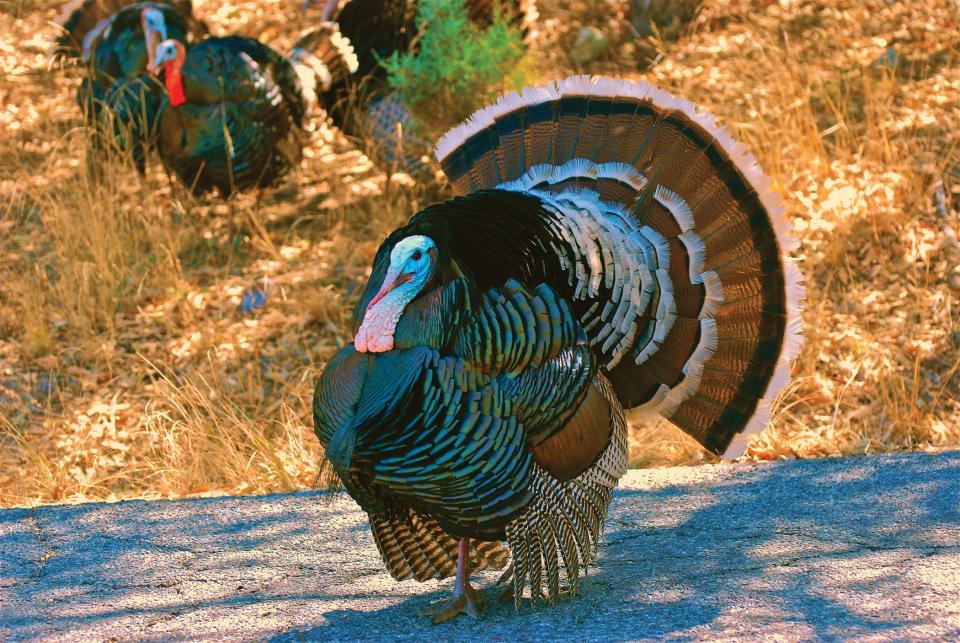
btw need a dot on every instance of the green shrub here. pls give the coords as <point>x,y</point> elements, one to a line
<point>456,66</point>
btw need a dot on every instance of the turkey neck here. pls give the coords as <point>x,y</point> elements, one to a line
<point>173,78</point>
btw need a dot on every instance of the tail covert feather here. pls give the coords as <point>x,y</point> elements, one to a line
<point>413,545</point>
<point>323,58</point>
<point>675,247</point>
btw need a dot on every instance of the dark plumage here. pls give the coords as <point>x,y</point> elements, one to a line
<point>233,116</point>
<point>611,248</point>
<point>361,103</point>
<point>118,96</point>
<point>82,22</point>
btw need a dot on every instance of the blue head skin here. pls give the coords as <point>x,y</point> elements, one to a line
<point>163,53</point>
<point>412,263</point>
<point>154,31</point>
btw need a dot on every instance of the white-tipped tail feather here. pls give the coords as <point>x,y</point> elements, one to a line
<point>603,217</point>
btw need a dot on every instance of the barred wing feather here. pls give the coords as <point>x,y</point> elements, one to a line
<point>610,247</point>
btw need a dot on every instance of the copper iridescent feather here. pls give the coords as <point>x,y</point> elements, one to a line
<point>612,248</point>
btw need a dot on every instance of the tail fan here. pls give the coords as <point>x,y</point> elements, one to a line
<point>81,22</point>
<point>376,29</point>
<point>360,104</point>
<point>683,246</point>
<point>323,59</point>
<point>343,57</point>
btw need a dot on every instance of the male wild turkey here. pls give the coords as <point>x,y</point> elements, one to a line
<point>83,22</point>
<point>233,116</point>
<point>363,106</point>
<point>612,248</point>
<point>118,95</point>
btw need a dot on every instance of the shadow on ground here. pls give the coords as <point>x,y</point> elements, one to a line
<point>811,549</point>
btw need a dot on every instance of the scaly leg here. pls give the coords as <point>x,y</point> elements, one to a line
<point>466,600</point>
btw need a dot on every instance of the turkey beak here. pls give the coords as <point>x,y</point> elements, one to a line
<point>389,285</point>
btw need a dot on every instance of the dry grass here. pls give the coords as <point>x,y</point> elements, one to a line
<point>129,369</point>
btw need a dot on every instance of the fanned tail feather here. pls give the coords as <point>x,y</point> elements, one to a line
<point>680,268</point>
<point>357,99</point>
<point>323,59</point>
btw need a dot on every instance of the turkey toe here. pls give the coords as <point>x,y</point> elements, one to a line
<point>468,601</point>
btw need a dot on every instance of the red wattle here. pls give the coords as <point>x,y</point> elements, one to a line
<point>174,82</point>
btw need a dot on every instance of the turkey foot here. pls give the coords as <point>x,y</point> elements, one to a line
<point>466,600</point>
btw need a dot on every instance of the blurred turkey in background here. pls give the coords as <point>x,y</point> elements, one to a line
<point>236,112</point>
<point>416,60</point>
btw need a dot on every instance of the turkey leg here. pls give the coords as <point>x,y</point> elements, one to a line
<point>466,600</point>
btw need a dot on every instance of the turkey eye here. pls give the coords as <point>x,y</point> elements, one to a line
<point>417,255</point>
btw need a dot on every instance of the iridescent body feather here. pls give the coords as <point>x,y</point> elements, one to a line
<point>118,96</point>
<point>235,111</point>
<point>611,249</point>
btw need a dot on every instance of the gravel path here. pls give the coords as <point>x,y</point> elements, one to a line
<point>818,549</point>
